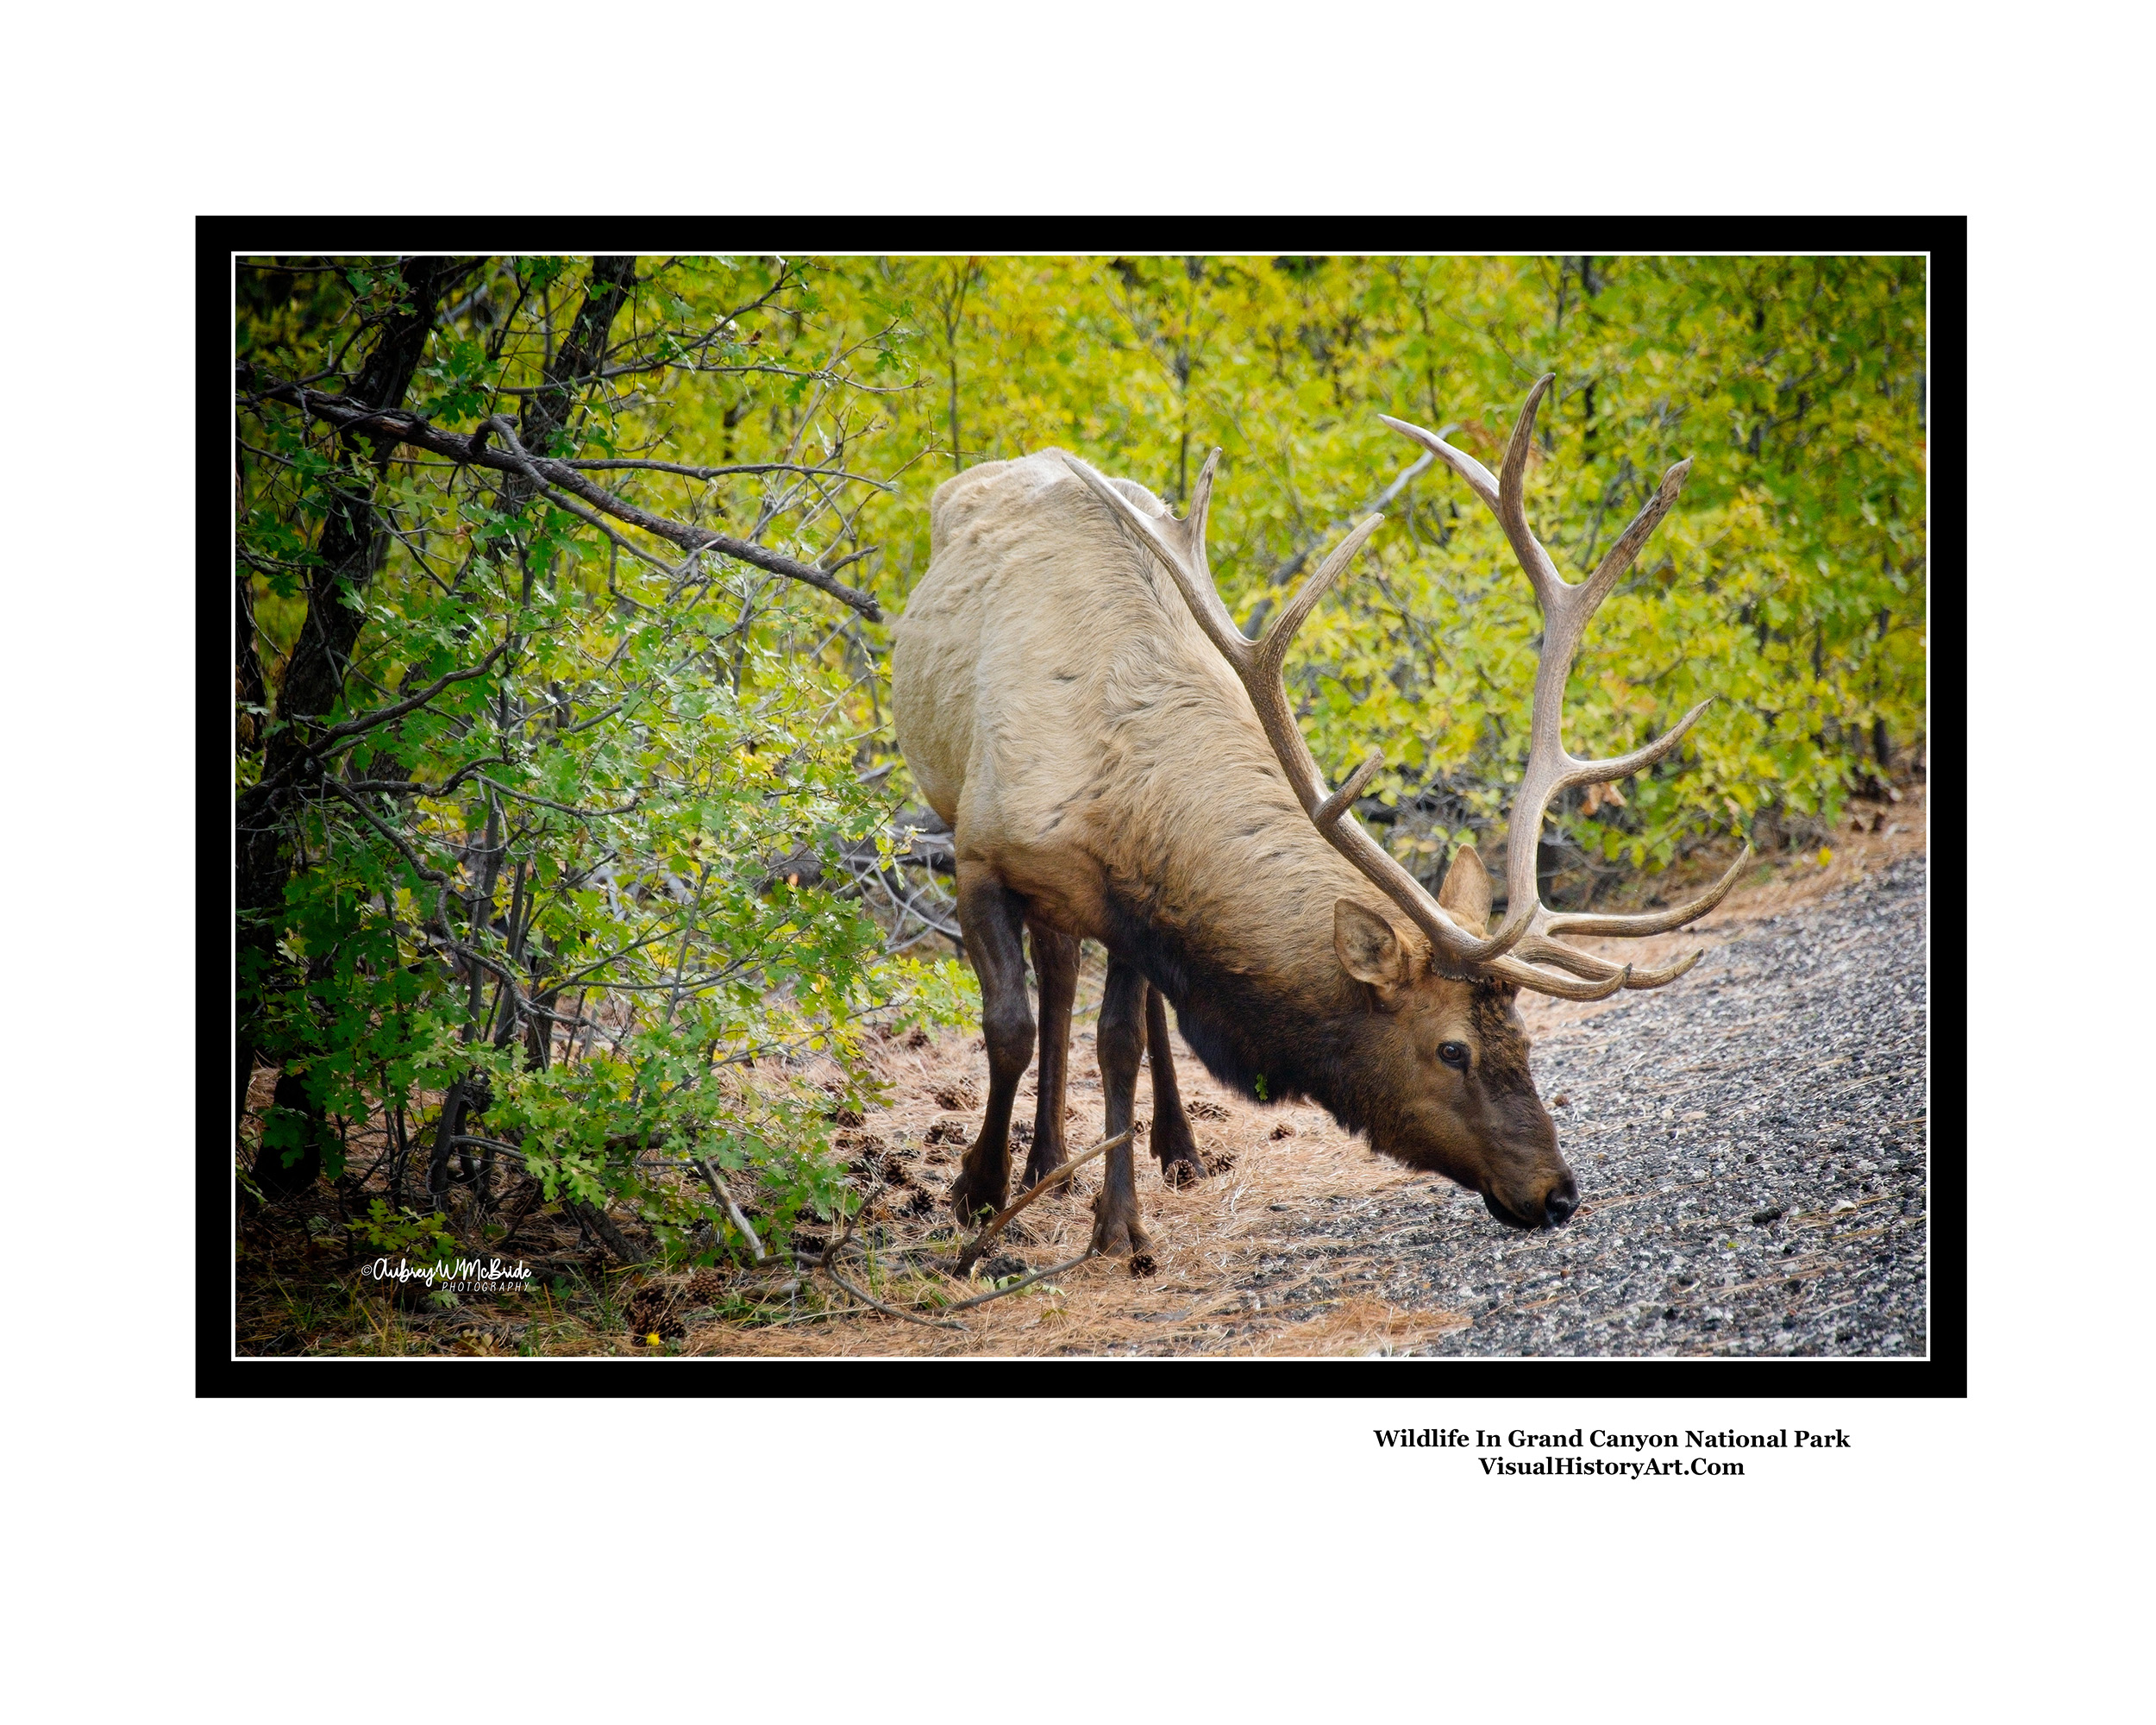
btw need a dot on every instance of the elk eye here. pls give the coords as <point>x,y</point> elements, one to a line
<point>1453,1054</point>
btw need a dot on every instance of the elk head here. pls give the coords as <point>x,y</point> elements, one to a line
<point>1445,1084</point>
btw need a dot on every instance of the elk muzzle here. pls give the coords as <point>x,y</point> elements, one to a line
<point>1553,1208</point>
<point>1528,1184</point>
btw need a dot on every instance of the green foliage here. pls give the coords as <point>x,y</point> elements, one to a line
<point>601,872</point>
<point>566,874</point>
<point>420,1239</point>
<point>1788,581</point>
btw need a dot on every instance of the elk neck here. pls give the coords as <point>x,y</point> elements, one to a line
<point>1237,932</point>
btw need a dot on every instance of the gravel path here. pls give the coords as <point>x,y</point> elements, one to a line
<point>1750,1147</point>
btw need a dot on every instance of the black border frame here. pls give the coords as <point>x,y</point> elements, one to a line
<point>1945,242</point>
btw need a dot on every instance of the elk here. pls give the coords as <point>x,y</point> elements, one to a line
<point>1118,762</point>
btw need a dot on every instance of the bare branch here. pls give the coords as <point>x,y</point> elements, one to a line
<point>726,1197</point>
<point>1021,1287</point>
<point>831,1268</point>
<point>399,427</point>
<point>689,472</point>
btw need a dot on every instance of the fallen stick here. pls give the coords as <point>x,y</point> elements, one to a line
<point>1021,1287</point>
<point>733,1210</point>
<point>971,1255</point>
<point>831,1251</point>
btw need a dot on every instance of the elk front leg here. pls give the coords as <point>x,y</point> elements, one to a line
<point>992,918</point>
<point>1120,1041</point>
<point>1055,969</point>
<point>1180,1162</point>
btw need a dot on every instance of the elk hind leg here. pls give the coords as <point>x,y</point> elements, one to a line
<point>1180,1162</point>
<point>992,918</point>
<point>1120,1040</point>
<point>1056,968</point>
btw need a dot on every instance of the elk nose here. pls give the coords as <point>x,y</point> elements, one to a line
<point>1560,1204</point>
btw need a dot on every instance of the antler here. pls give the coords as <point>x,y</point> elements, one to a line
<point>1258,665</point>
<point>1181,546</point>
<point>1565,610</point>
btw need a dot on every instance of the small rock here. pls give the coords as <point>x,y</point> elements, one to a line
<point>1761,1218</point>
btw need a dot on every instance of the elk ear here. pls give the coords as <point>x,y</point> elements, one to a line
<point>1370,951</point>
<point>1465,894</point>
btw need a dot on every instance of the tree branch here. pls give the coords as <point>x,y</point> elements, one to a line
<point>831,1270</point>
<point>688,473</point>
<point>399,427</point>
<point>980,1242</point>
<point>733,1211</point>
<point>433,876</point>
<point>630,807</point>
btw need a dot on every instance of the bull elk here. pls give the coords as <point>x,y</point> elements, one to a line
<point>1118,762</point>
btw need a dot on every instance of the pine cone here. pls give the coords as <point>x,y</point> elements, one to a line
<point>653,1311</point>
<point>705,1288</point>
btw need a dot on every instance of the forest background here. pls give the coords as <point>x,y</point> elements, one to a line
<point>571,831</point>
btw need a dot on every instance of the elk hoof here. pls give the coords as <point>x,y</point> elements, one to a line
<point>1172,1141</point>
<point>1180,1171</point>
<point>1120,1236</point>
<point>969,1198</point>
<point>1037,1171</point>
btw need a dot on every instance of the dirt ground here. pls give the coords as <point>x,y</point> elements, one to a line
<point>1749,1142</point>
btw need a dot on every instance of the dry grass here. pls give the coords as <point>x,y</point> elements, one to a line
<point>1205,1240</point>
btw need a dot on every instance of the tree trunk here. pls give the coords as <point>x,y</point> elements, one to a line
<point>352,546</point>
<point>291,1107</point>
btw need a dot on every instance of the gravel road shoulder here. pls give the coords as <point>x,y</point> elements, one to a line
<point>1751,1144</point>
